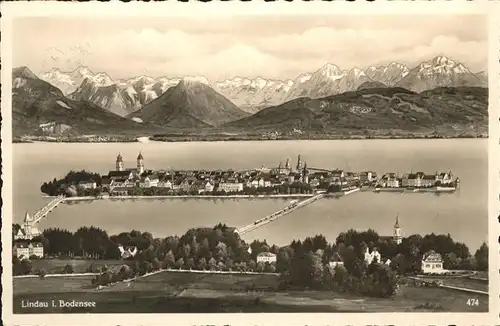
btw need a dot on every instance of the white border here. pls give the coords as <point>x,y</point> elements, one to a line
<point>118,9</point>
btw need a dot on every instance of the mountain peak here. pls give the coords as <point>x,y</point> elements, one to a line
<point>194,80</point>
<point>83,71</point>
<point>442,60</point>
<point>330,70</point>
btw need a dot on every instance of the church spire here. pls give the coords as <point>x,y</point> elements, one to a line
<point>397,226</point>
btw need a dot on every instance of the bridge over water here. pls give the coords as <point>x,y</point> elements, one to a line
<point>276,215</point>
<point>47,209</point>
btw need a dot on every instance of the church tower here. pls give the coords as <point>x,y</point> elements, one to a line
<point>140,164</point>
<point>299,164</point>
<point>305,174</point>
<point>119,163</point>
<point>397,231</point>
<point>287,165</point>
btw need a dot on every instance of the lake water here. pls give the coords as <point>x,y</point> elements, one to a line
<point>463,214</point>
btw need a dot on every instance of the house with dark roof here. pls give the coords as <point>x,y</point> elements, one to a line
<point>432,263</point>
<point>336,260</point>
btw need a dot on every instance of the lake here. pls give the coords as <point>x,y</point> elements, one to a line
<point>463,214</point>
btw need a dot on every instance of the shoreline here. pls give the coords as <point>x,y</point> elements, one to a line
<point>279,196</point>
<point>188,138</point>
<point>88,198</point>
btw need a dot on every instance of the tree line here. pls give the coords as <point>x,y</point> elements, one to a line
<point>301,264</point>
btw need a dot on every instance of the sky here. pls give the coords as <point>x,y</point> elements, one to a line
<point>277,47</point>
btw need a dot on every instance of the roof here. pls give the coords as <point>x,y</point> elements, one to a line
<point>432,256</point>
<point>37,244</point>
<point>21,244</point>
<point>119,158</point>
<point>336,257</point>
<point>429,177</point>
<point>140,156</point>
<point>115,174</point>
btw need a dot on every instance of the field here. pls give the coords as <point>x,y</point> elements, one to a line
<point>172,292</point>
<point>56,266</point>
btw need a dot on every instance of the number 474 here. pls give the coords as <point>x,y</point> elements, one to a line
<point>473,302</point>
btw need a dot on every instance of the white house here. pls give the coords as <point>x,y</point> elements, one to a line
<point>432,262</point>
<point>371,256</point>
<point>87,184</point>
<point>209,187</point>
<point>230,187</point>
<point>336,260</point>
<point>128,252</point>
<point>24,250</point>
<point>266,257</point>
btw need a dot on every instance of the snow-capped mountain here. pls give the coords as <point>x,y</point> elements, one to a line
<point>123,96</point>
<point>328,80</point>
<point>388,75</point>
<point>68,82</point>
<point>439,72</point>
<point>113,98</point>
<point>254,94</point>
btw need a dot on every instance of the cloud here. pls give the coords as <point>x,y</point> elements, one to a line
<point>176,48</point>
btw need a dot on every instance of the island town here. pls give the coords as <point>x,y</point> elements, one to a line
<point>283,180</point>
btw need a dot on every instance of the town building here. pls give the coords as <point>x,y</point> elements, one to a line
<point>230,187</point>
<point>266,257</point>
<point>336,260</point>
<point>28,230</point>
<point>25,249</point>
<point>127,252</point>
<point>432,263</point>
<point>372,256</point>
<point>368,177</point>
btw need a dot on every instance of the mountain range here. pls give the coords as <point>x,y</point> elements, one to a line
<point>438,93</point>
<point>252,95</point>
<point>36,102</point>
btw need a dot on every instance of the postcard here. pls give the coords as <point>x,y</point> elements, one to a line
<point>250,163</point>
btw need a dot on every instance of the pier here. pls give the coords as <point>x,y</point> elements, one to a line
<point>276,215</point>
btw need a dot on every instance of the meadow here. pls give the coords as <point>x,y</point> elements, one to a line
<point>173,292</point>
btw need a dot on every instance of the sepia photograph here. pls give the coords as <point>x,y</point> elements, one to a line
<point>326,163</point>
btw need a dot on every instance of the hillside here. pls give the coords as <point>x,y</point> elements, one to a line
<point>190,104</point>
<point>36,102</point>
<point>377,109</point>
<point>371,84</point>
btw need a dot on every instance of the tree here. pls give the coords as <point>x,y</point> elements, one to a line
<point>169,259</point>
<point>68,269</point>
<point>212,264</point>
<point>179,264</point>
<point>202,264</point>
<point>481,256</point>
<point>190,263</point>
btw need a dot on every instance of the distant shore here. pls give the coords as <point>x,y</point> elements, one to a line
<point>209,138</point>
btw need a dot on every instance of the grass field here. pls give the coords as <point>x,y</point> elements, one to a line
<point>171,292</point>
<point>35,285</point>
<point>55,266</point>
<point>462,283</point>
